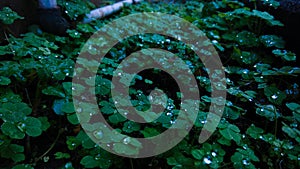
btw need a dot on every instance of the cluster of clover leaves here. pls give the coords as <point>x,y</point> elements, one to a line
<point>259,127</point>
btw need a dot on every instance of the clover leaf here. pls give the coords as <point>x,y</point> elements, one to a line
<point>8,16</point>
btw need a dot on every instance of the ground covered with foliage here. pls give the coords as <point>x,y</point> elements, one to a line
<point>259,127</point>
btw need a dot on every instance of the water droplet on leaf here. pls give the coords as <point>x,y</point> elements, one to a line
<point>207,161</point>
<point>98,134</point>
<point>245,162</point>
<point>126,140</point>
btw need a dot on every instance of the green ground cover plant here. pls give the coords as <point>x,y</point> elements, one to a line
<point>259,127</point>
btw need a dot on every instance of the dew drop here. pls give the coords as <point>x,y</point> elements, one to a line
<point>68,165</point>
<point>98,157</point>
<point>274,96</point>
<point>203,121</point>
<point>98,134</point>
<point>79,110</point>
<point>245,162</point>
<point>294,125</point>
<point>207,161</point>
<point>245,71</point>
<point>126,140</point>
<point>150,98</point>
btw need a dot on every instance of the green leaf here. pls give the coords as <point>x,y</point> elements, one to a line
<point>231,132</point>
<point>76,8</point>
<point>4,80</point>
<point>86,142</point>
<point>89,162</point>
<point>268,111</point>
<point>224,141</point>
<point>272,41</point>
<point>12,130</point>
<point>54,91</point>
<point>254,132</point>
<point>17,107</point>
<point>130,126</point>
<point>68,107</point>
<point>150,132</point>
<point>72,118</point>
<point>72,142</point>
<point>61,155</point>
<point>33,126</point>
<point>98,161</point>
<point>293,106</point>
<point>289,131</point>
<point>67,86</point>
<point>14,112</point>
<point>103,86</point>
<point>172,161</point>
<point>286,55</point>
<point>45,123</point>
<point>198,154</point>
<point>263,15</point>
<point>74,33</point>
<point>8,16</point>
<point>232,113</point>
<point>14,152</point>
<point>116,118</point>
<point>23,166</point>
<point>274,95</point>
<point>86,28</point>
<point>107,107</point>
<point>243,158</point>
<point>246,38</point>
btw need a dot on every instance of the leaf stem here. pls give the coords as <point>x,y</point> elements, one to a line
<point>276,122</point>
<point>131,163</point>
<point>51,147</point>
